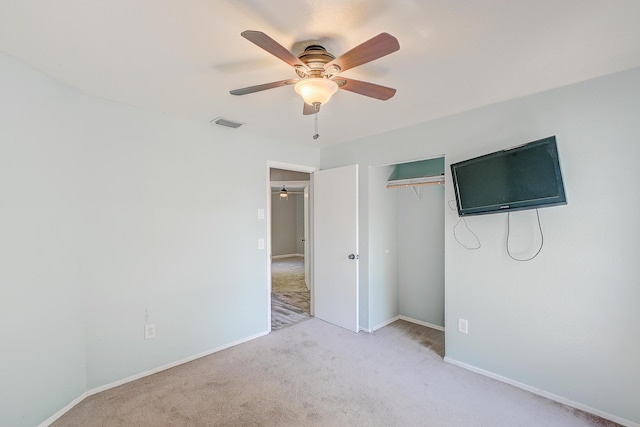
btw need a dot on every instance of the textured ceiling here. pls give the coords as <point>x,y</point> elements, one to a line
<point>182,57</point>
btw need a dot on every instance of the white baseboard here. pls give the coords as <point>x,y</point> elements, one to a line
<point>401,317</point>
<point>543,393</point>
<point>420,322</point>
<point>105,387</point>
<point>385,323</point>
<point>286,256</point>
<point>63,410</point>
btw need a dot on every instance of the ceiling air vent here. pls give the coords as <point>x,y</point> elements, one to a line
<point>226,123</point>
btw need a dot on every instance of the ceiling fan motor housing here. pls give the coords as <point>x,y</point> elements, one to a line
<point>315,57</point>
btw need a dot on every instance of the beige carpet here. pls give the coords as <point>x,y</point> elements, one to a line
<point>316,374</point>
<point>287,275</point>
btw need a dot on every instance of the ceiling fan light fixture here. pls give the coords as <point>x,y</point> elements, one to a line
<point>284,195</point>
<point>316,90</point>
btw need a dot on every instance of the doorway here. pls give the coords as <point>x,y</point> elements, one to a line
<point>331,233</point>
<point>289,246</point>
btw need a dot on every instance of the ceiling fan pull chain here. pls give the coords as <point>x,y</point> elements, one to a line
<point>316,135</point>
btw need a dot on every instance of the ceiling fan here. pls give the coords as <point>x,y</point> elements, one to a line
<point>318,69</point>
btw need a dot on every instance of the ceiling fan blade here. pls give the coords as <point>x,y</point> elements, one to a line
<point>262,40</point>
<point>258,88</point>
<point>308,109</point>
<point>367,89</point>
<point>374,48</point>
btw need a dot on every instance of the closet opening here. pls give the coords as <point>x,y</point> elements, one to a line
<point>406,238</point>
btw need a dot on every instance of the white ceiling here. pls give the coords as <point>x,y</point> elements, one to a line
<point>182,57</point>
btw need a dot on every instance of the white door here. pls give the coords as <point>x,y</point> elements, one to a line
<point>335,240</point>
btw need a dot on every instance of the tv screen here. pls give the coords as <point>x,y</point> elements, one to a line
<point>523,177</point>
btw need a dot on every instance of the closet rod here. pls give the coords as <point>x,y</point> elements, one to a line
<point>418,184</point>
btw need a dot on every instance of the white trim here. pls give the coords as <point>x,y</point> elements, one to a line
<point>173,364</point>
<point>408,319</point>
<point>287,256</point>
<point>135,377</point>
<point>290,166</point>
<point>543,393</point>
<point>385,323</point>
<point>267,252</point>
<point>63,410</point>
<point>420,322</point>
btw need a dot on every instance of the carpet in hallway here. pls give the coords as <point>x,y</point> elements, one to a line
<point>290,299</point>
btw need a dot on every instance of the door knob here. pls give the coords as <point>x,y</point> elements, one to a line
<point>352,256</point>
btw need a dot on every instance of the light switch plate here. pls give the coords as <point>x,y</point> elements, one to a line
<point>463,326</point>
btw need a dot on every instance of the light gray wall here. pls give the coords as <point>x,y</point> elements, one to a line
<point>565,322</point>
<point>284,225</point>
<point>421,253</point>
<point>383,248</point>
<point>107,212</point>
<point>42,247</point>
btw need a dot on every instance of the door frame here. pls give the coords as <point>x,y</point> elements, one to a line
<point>297,168</point>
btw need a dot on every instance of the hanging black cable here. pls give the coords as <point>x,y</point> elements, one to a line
<point>455,228</point>
<point>455,235</point>
<point>541,239</point>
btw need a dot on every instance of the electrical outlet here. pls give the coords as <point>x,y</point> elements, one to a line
<point>260,243</point>
<point>463,326</point>
<point>149,331</point>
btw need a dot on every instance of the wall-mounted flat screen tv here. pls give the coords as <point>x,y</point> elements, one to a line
<point>523,177</point>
